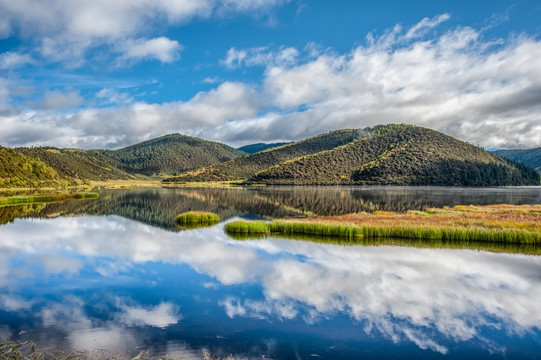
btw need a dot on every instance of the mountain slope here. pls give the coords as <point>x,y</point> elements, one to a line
<point>255,148</point>
<point>244,167</point>
<point>171,154</point>
<point>401,155</point>
<point>79,164</point>
<point>18,170</point>
<point>530,157</point>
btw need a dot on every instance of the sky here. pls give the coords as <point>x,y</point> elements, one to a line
<point>110,73</point>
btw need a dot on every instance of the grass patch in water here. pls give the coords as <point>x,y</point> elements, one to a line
<point>499,224</point>
<point>287,227</point>
<point>43,198</point>
<point>193,219</point>
<point>494,247</point>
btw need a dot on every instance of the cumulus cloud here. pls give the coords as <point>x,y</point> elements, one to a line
<point>119,126</point>
<point>162,49</point>
<point>13,60</point>
<point>67,29</point>
<point>486,92</point>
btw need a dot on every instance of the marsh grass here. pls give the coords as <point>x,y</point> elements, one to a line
<point>496,224</point>
<point>501,247</point>
<point>196,219</point>
<point>286,227</point>
<point>43,198</point>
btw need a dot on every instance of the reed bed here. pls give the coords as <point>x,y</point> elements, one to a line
<point>287,227</point>
<point>197,217</point>
<point>29,199</point>
<point>500,224</point>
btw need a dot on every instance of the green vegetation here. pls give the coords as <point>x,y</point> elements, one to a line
<point>244,167</point>
<point>504,224</point>
<point>529,157</point>
<point>386,154</point>
<point>165,156</point>
<point>197,217</point>
<point>18,170</point>
<point>79,164</point>
<point>30,199</point>
<point>255,148</point>
<point>297,227</point>
<point>401,155</point>
<point>496,247</point>
<point>171,155</point>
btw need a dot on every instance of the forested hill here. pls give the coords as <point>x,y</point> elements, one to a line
<point>171,154</point>
<point>255,148</point>
<point>18,170</point>
<point>401,155</point>
<point>530,157</point>
<point>245,167</point>
<point>78,164</point>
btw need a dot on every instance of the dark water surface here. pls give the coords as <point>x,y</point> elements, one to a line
<point>116,274</point>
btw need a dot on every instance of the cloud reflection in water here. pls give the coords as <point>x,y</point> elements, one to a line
<point>431,297</point>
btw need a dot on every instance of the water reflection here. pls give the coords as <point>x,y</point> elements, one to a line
<point>91,282</point>
<point>160,206</point>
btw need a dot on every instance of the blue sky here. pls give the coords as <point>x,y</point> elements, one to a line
<point>105,74</point>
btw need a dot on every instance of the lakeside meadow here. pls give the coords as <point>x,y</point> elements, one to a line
<point>492,223</point>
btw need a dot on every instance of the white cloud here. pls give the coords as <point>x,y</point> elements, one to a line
<point>125,125</point>
<point>423,296</point>
<point>59,100</point>
<point>13,60</point>
<point>112,96</point>
<point>161,48</point>
<point>426,24</point>
<point>67,29</point>
<point>161,315</point>
<point>260,56</point>
<point>14,303</point>
<point>483,92</point>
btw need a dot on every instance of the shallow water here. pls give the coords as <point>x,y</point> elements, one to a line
<point>116,274</point>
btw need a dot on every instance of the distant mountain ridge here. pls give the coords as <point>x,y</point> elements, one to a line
<point>243,168</point>
<point>167,155</point>
<point>530,157</point>
<point>401,155</point>
<point>171,154</point>
<point>255,148</point>
<point>385,154</point>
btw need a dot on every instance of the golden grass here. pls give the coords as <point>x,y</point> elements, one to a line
<point>495,223</point>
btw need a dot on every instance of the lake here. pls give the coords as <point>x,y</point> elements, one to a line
<point>116,276</point>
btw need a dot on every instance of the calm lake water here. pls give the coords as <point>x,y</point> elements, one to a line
<point>117,274</point>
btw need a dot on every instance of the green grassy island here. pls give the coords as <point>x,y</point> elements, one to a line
<point>197,217</point>
<point>496,223</point>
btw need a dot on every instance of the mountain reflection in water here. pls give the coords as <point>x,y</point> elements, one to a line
<point>108,282</point>
<point>160,206</point>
